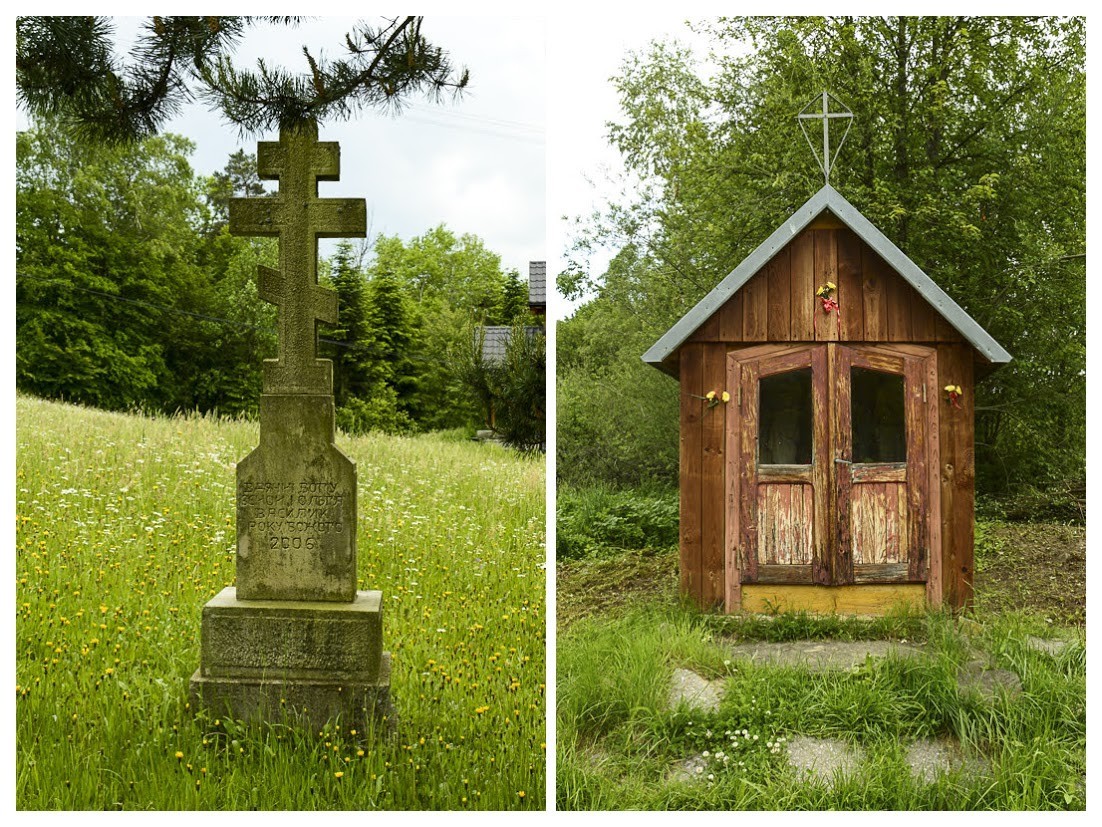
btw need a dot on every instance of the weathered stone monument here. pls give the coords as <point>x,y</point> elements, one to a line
<point>295,634</point>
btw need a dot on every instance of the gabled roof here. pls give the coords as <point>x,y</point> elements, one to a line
<point>826,199</point>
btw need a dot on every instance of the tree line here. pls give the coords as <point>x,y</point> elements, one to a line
<point>967,149</point>
<point>132,294</point>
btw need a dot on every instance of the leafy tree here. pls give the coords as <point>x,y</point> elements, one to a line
<point>120,301</point>
<point>65,68</point>
<point>453,282</point>
<point>514,298</point>
<point>511,390</point>
<point>967,150</point>
<point>443,269</point>
<point>104,238</point>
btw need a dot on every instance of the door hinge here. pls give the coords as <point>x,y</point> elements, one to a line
<point>923,393</point>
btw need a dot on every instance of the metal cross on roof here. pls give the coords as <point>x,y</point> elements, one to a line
<point>826,161</point>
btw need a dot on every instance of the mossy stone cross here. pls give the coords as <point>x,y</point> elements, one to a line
<point>298,218</point>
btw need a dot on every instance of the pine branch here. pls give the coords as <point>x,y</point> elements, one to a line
<point>65,70</point>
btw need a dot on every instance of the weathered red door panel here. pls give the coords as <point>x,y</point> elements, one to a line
<point>828,481</point>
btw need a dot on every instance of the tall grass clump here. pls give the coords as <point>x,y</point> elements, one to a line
<point>125,529</point>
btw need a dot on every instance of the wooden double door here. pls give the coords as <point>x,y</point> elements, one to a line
<point>832,457</point>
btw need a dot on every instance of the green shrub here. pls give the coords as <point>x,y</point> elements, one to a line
<point>379,412</point>
<point>594,518</point>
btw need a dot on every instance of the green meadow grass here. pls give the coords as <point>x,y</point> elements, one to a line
<point>125,528</point>
<point>618,741</point>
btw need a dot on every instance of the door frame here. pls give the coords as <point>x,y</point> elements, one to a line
<point>924,371</point>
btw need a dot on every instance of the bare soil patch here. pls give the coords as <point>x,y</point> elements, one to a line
<point>1035,567</point>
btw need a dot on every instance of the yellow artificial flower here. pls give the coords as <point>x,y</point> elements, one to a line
<point>726,397</point>
<point>710,395</point>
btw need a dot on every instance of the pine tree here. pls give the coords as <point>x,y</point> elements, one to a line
<point>390,340</point>
<point>514,299</point>
<point>351,361</point>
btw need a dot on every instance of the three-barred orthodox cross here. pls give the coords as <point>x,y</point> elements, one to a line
<point>298,218</point>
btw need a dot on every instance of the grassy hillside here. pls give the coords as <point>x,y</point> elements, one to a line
<point>125,528</point>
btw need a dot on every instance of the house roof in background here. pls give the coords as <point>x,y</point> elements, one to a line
<point>537,283</point>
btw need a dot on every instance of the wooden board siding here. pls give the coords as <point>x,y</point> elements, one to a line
<point>785,515</point>
<point>879,522</point>
<point>958,473</point>
<point>692,375</point>
<point>778,275</point>
<point>713,431</point>
<point>802,285</point>
<point>826,270</point>
<point>778,303</point>
<point>851,321</point>
<point>917,524</point>
<point>874,273</point>
<point>934,594</point>
<point>755,316</point>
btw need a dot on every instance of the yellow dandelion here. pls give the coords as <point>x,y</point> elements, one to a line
<point>520,793</point>
<point>179,756</point>
<point>338,774</point>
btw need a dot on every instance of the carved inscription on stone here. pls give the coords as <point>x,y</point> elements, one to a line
<point>294,515</point>
<point>296,506</point>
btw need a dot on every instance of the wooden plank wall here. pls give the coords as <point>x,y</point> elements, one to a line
<point>692,455</point>
<point>958,474</point>
<point>703,457</point>
<point>778,303</point>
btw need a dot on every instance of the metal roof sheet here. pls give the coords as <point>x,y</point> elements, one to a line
<point>825,199</point>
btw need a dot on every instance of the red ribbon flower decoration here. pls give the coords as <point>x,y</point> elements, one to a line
<point>826,296</point>
<point>954,393</point>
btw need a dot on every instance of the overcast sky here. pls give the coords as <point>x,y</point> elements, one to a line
<point>585,171</point>
<point>476,164</point>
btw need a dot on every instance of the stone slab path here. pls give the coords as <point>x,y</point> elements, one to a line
<point>990,682</point>
<point>828,758</point>
<point>1055,648</point>
<point>692,690</point>
<point>819,655</point>
<point>823,758</point>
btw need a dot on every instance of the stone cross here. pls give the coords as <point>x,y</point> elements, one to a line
<point>298,218</point>
<point>294,634</point>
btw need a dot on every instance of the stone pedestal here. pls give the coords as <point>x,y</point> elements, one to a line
<point>261,659</point>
